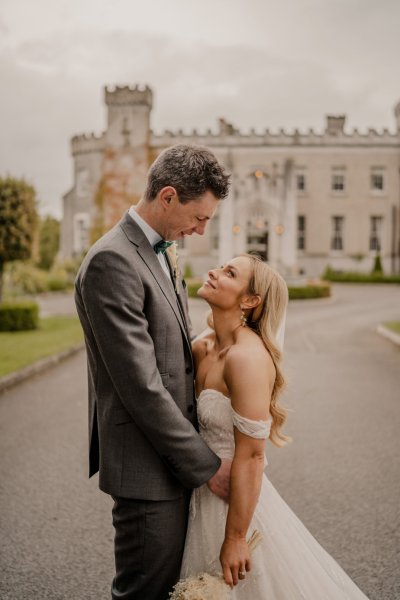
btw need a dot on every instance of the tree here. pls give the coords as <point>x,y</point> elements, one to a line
<point>18,219</point>
<point>49,242</point>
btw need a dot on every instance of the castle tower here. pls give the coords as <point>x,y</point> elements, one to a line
<point>128,119</point>
<point>126,158</point>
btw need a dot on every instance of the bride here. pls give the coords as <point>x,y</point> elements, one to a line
<point>238,383</point>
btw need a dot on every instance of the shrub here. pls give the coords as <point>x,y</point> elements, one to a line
<point>187,271</point>
<point>58,280</point>
<point>192,286</point>
<point>56,284</point>
<point>49,241</point>
<point>355,277</point>
<point>306,292</point>
<point>377,268</point>
<point>19,316</point>
<point>24,278</point>
<point>70,266</point>
<point>328,273</point>
<point>18,219</point>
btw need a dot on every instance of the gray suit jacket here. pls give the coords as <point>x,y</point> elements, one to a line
<point>142,412</point>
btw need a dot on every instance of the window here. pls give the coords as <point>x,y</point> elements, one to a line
<point>301,232</point>
<point>377,180</point>
<point>82,183</point>
<point>81,232</point>
<point>301,182</point>
<point>375,233</point>
<point>338,182</point>
<point>337,233</point>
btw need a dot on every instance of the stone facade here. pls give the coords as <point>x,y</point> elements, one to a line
<point>303,200</point>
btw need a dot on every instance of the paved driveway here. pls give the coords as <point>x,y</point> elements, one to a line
<point>340,474</point>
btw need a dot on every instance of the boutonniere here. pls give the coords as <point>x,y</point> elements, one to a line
<point>172,252</point>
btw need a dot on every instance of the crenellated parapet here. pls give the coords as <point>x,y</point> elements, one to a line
<point>128,96</point>
<point>87,143</point>
<point>228,135</point>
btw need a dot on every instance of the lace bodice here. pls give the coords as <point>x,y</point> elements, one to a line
<point>217,420</point>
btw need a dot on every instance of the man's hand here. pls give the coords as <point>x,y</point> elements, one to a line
<point>235,560</point>
<point>219,482</point>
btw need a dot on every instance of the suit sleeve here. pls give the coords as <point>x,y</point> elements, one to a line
<point>113,297</point>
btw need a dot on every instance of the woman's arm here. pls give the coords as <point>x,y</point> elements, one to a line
<point>248,376</point>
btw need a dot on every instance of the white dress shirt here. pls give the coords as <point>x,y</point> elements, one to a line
<point>153,238</point>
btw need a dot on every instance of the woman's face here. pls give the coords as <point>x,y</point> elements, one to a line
<point>226,286</point>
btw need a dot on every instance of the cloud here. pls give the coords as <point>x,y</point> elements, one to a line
<point>196,83</point>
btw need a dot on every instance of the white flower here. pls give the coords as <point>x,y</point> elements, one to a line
<point>206,586</point>
<point>202,587</point>
<point>173,257</point>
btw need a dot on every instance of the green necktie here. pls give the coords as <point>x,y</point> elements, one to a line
<point>162,246</point>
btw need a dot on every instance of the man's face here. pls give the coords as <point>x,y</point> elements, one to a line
<point>185,219</point>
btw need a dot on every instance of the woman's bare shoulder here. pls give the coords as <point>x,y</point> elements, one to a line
<point>249,375</point>
<point>249,358</point>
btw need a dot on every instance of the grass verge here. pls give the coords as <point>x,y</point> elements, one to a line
<point>21,348</point>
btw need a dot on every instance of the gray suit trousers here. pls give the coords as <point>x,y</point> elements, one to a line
<point>149,543</point>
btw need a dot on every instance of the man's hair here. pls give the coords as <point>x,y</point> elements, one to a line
<point>191,170</point>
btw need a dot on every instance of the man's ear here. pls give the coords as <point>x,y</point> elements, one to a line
<point>250,302</point>
<point>166,195</point>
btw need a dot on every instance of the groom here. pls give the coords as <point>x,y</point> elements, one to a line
<point>142,410</point>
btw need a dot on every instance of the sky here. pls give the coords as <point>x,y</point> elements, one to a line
<point>256,63</point>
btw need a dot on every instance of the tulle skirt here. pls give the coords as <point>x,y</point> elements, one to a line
<point>289,564</point>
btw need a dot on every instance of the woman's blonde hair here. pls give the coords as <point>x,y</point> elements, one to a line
<point>265,320</point>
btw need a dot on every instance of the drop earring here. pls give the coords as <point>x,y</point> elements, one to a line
<point>243,318</point>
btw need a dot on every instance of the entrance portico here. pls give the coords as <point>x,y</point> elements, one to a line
<point>260,216</point>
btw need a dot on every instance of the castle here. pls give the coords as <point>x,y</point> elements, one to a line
<point>302,200</point>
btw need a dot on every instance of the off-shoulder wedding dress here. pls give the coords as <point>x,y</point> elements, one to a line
<point>289,564</point>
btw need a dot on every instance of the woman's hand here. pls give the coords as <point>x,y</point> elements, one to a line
<point>235,559</point>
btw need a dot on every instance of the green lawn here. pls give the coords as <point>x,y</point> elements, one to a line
<point>21,348</point>
<point>393,326</point>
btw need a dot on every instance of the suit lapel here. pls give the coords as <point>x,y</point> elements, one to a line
<point>178,284</point>
<point>149,257</point>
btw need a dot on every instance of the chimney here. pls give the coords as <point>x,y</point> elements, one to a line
<point>335,124</point>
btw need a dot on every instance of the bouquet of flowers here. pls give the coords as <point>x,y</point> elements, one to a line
<point>205,586</point>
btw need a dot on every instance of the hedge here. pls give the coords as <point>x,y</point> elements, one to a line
<point>19,316</point>
<point>306,292</point>
<point>295,293</point>
<point>192,287</point>
<point>355,277</point>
